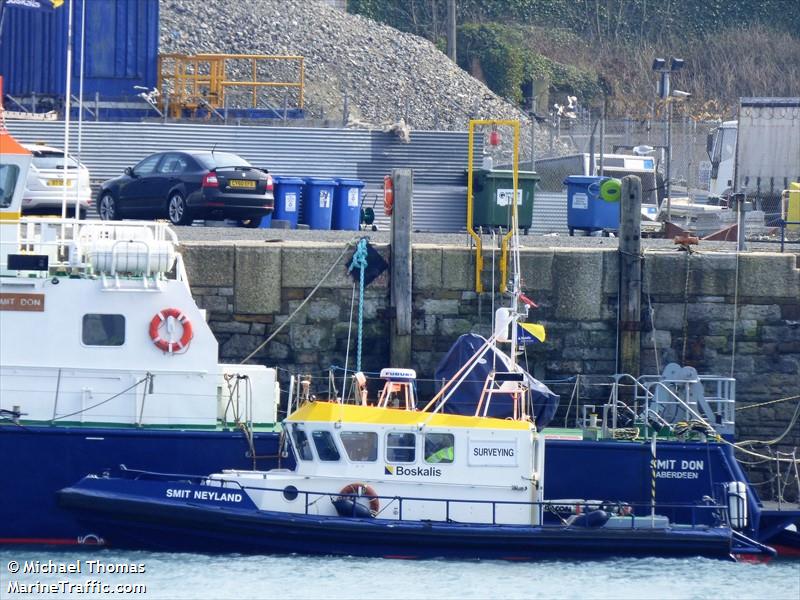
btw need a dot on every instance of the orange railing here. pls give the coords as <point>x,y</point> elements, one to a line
<point>192,82</point>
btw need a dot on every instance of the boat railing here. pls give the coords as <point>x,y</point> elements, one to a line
<point>66,241</point>
<point>639,513</point>
<point>663,402</point>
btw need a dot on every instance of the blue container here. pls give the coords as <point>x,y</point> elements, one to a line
<point>287,199</point>
<point>347,204</point>
<point>318,202</point>
<point>585,208</point>
<point>266,222</point>
<point>121,49</point>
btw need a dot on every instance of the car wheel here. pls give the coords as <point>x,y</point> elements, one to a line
<point>107,208</point>
<point>177,211</point>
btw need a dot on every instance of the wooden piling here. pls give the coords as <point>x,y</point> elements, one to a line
<point>401,301</point>
<point>630,276</point>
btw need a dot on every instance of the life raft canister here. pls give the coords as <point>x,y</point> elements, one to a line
<point>362,490</point>
<point>166,345</point>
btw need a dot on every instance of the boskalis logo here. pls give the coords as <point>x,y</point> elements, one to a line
<point>401,471</point>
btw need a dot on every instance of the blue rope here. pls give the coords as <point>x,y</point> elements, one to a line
<point>360,262</point>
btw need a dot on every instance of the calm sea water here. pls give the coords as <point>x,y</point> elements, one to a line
<point>298,577</point>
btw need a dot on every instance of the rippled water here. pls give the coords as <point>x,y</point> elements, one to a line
<point>297,577</point>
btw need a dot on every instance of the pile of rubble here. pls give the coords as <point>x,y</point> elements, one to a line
<point>357,71</point>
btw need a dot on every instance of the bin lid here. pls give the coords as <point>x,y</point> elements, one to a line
<point>319,181</point>
<point>287,180</point>
<point>350,182</point>
<point>584,179</point>
<point>508,174</point>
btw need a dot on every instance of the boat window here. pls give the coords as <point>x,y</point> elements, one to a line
<point>103,330</point>
<point>361,446</point>
<point>439,448</point>
<point>326,447</point>
<point>8,181</point>
<point>300,444</point>
<point>400,447</point>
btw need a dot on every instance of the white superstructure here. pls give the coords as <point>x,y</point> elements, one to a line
<point>98,327</point>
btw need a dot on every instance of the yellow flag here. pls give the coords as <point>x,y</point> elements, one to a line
<point>535,330</point>
<point>56,3</point>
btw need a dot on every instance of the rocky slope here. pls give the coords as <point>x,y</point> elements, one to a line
<point>384,74</point>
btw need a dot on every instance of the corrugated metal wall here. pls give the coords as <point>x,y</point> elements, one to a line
<point>121,49</point>
<point>437,158</point>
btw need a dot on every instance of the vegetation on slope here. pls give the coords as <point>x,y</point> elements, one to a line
<point>592,48</point>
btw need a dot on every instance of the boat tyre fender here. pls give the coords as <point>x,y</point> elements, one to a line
<point>591,519</point>
<point>166,345</point>
<point>347,503</point>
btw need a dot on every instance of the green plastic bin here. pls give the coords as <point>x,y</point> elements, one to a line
<point>491,198</point>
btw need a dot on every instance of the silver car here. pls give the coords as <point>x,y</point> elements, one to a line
<point>44,188</point>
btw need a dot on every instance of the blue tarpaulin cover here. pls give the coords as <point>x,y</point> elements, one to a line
<point>465,399</point>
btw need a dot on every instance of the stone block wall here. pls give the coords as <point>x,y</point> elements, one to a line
<point>698,309</point>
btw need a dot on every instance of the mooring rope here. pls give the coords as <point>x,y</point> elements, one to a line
<point>360,262</point>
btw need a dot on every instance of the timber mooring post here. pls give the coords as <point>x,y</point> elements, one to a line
<point>400,278</point>
<point>630,275</point>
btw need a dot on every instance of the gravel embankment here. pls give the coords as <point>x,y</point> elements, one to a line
<point>387,74</point>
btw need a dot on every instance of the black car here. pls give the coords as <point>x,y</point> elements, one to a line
<point>186,185</point>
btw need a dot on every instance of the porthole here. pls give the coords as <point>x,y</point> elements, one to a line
<point>290,492</point>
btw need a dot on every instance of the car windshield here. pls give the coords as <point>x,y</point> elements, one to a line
<point>220,160</point>
<point>49,159</point>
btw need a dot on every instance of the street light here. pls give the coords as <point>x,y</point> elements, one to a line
<point>660,66</point>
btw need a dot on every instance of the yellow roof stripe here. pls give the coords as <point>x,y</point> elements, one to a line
<point>328,412</point>
<point>10,216</point>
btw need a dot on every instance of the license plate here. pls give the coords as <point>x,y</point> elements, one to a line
<point>58,182</point>
<point>242,184</point>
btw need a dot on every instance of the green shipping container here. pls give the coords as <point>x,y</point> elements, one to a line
<point>492,192</point>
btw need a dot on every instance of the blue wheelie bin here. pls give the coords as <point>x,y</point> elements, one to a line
<point>347,204</point>
<point>586,209</point>
<point>318,202</point>
<point>287,199</point>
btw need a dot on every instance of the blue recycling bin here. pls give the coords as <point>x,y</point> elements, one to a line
<point>266,222</point>
<point>318,202</point>
<point>585,208</point>
<point>347,204</point>
<point>287,199</point>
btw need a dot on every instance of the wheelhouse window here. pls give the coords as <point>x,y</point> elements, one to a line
<point>8,181</point>
<point>103,330</point>
<point>300,444</point>
<point>361,446</point>
<point>439,448</point>
<point>401,447</point>
<point>326,447</point>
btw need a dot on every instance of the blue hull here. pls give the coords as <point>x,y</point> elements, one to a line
<point>41,460</point>
<point>38,461</point>
<point>141,513</point>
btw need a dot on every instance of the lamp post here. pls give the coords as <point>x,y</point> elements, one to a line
<point>665,70</point>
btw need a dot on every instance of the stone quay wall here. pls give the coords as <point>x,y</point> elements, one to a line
<point>690,305</point>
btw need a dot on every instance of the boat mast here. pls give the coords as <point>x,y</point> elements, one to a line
<point>67,109</point>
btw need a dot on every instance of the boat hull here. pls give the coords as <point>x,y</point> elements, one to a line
<point>145,514</point>
<point>41,460</point>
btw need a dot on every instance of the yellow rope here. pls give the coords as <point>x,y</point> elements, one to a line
<point>787,399</point>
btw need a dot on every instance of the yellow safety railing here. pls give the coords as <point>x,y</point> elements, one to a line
<point>514,223</point>
<point>195,81</point>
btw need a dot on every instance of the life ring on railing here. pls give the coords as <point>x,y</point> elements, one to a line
<point>166,345</point>
<point>388,195</point>
<point>354,491</point>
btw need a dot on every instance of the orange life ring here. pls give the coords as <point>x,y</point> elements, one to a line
<point>388,195</point>
<point>166,345</point>
<point>363,490</point>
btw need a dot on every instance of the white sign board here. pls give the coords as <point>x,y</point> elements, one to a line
<point>580,200</point>
<point>492,453</point>
<point>291,201</point>
<point>352,197</point>
<point>504,197</point>
<point>324,199</point>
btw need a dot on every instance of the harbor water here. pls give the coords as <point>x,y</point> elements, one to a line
<point>102,573</point>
